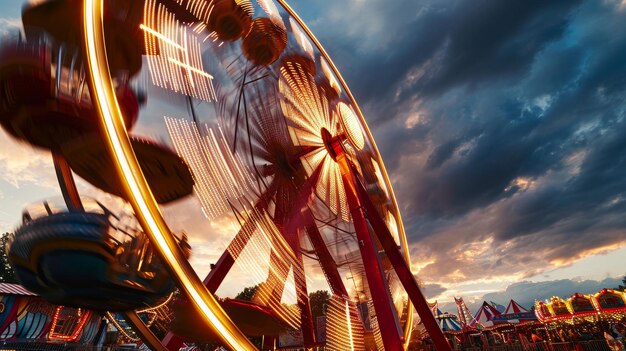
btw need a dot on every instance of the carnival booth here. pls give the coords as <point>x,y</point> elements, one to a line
<point>28,318</point>
<point>514,321</point>
<point>583,317</point>
<point>606,304</point>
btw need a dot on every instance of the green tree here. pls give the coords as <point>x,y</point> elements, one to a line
<point>7,275</point>
<point>247,294</point>
<point>318,301</point>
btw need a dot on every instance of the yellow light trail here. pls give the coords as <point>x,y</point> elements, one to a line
<point>221,177</point>
<point>162,37</point>
<point>170,45</point>
<point>190,68</point>
<point>141,198</point>
<point>349,327</point>
<point>344,330</point>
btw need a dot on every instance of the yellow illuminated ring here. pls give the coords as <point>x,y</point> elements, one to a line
<point>135,185</point>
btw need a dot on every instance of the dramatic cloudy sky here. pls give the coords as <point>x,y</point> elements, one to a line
<point>502,124</point>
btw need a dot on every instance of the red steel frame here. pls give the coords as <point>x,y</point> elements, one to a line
<point>402,270</point>
<point>361,205</point>
<point>364,215</point>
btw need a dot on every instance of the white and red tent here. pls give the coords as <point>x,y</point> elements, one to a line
<point>484,315</point>
<point>514,307</point>
<point>515,314</point>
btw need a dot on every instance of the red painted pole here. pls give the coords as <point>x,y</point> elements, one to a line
<point>402,269</point>
<point>375,276</point>
<point>223,265</point>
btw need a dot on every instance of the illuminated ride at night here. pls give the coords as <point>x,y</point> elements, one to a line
<point>221,119</point>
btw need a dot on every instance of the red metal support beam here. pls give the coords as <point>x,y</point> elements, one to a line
<point>375,276</point>
<point>401,267</point>
<point>223,265</point>
<point>226,261</point>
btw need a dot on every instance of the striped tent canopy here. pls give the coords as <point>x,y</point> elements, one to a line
<point>14,289</point>
<point>515,314</point>
<point>498,306</point>
<point>514,307</point>
<point>484,315</point>
<point>448,323</point>
<point>23,315</point>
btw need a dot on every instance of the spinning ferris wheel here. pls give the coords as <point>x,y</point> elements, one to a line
<point>199,113</point>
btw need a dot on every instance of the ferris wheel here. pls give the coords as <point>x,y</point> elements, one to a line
<point>217,119</point>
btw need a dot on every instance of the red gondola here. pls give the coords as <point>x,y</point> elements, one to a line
<point>230,19</point>
<point>265,42</point>
<point>121,26</point>
<point>166,173</point>
<point>44,99</point>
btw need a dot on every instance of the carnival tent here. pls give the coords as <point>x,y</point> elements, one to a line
<point>514,307</point>
<point>14,289</point>
<point>484,315</point>
<point>515,314</point>
<point>447,321</point>
<point>497,306</point>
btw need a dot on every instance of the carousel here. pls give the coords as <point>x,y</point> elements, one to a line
<point>606,304</point>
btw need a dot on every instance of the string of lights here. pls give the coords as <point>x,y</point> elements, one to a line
<point>221,177</point>
<point>173,54</point>
<point>344,330</point>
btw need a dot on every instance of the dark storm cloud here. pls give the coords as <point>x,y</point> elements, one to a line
<point>512,122</point>
<point>470,41</point>
<point>494,40</point>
